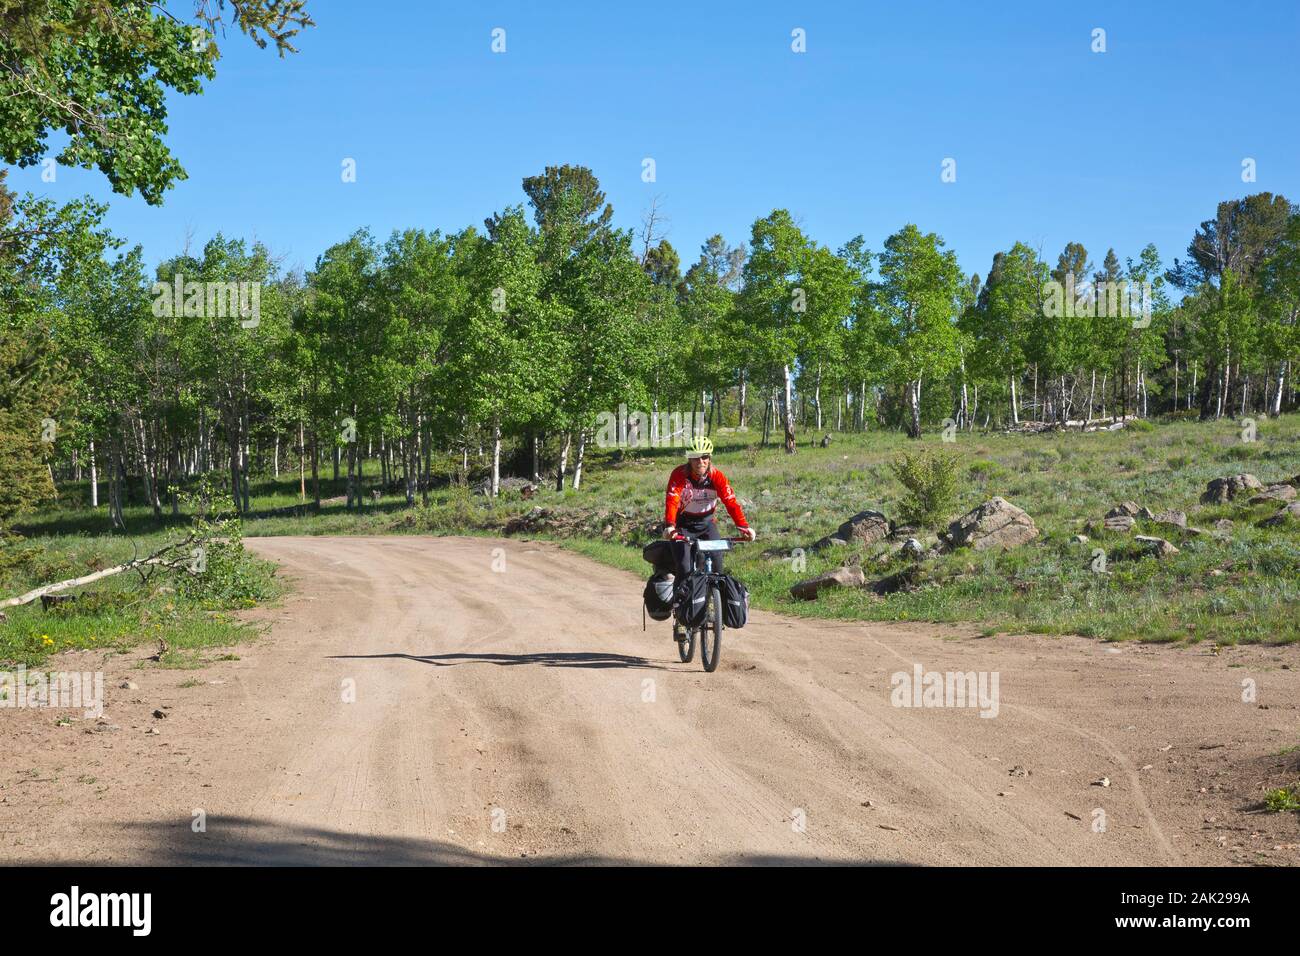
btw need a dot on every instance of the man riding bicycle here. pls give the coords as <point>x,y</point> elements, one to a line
<point>694,490</point>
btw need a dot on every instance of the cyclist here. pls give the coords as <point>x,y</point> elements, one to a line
<point>694,490</point>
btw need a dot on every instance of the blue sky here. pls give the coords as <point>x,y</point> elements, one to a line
<point>1052,141</point>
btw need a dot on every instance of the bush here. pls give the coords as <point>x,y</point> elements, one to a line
<point>930,480</point>
<point>984,470</point>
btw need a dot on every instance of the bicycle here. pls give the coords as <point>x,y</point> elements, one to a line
<point>708,634</point>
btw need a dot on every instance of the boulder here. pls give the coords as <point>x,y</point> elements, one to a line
<point>864,528</point>
<point>912,548</point>
<point>1280,493</point>
<point>1223,524</point>
<point>1288,513</point>
<point>1176,518</point>
<point>846,577</point>
<point>1222,490</point>
<point>1158,547</point>
<point>995,524</point>
<point>1130,509</point>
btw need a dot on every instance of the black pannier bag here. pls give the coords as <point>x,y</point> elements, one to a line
<point>658,597</point>
<point>735,602</point>
<point>693,599</point>
<point>660,554</point>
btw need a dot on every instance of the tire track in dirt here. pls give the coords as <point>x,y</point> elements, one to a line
<point>525,716</point>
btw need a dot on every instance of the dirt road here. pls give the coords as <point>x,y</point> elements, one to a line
<point>410,704</point>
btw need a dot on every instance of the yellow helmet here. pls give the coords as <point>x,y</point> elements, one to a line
<point>700,447</point>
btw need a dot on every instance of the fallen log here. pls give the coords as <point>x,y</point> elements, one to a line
<point>165,557</point>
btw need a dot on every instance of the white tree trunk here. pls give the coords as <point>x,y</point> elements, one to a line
<point>496,459</point>
<point>94,477</point>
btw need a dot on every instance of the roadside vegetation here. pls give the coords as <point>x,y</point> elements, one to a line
<point>1241,585</point>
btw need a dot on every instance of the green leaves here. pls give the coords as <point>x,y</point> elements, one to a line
<point>99,70</point>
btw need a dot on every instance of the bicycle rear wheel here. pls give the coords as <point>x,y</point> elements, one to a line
<point>711,632</point>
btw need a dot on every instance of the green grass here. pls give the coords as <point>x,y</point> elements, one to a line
<point>1047,586</point>
<point>122,611</point>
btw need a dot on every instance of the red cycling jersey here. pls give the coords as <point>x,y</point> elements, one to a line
<point>696,500</point>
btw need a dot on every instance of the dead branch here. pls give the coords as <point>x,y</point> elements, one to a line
<point>167,556</point>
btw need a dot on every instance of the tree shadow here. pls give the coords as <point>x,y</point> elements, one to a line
<point>252,841</point>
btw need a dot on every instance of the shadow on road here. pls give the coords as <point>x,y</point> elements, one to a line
<point>248,841</point>
<point>573,659</point>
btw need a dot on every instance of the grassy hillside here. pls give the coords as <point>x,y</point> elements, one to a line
<point>1242,585</point>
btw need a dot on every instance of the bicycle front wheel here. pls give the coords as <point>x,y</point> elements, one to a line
<point>686,648</point>
<point>711,632</point>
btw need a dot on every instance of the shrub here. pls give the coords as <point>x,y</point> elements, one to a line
<point>930,480</point>
<point>1283,799</point>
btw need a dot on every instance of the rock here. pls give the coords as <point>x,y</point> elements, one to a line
<point>536,519</point>
<point>1222,490</point>
<point>1223,524</point>
<point>765,493</point>
<point>1288,513</point>
<point>995,524</point>
<point>907,579</point>
<point>863,528</point>
<point>846,577</point>
<point>1193,532</point>
<point>1079,539</point>
<point>129,685</point>
<point>1114,428</point>
<point>159,714</point>
<point>1273,493</point>
<point>912,548</point>
<point>1129,508</point>
<point>830,541</point>
<point>1156,546</point>
<point>1176,518</point>
<point>1121,524</point>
